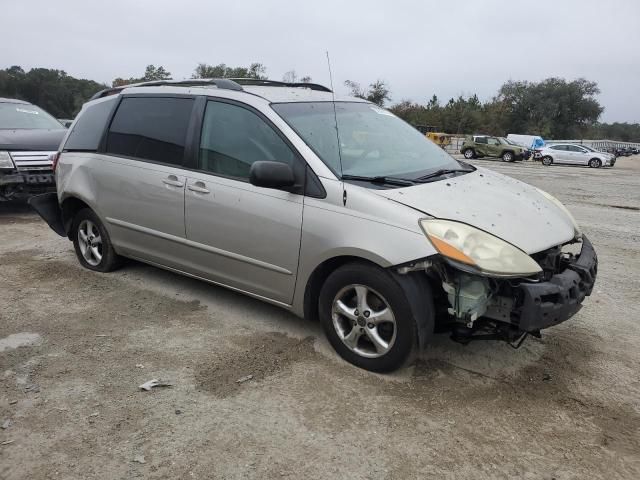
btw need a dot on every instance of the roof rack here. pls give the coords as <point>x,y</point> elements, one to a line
<point>224,83</point>
<point>274,83</point>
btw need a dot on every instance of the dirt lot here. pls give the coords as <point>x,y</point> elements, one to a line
<point>75,345</point>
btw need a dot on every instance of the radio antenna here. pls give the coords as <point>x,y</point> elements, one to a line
<point>335,118</point>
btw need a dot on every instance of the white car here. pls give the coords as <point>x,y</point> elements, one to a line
<point>572,154</point>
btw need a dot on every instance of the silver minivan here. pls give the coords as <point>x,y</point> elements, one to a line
<point>332,208</point>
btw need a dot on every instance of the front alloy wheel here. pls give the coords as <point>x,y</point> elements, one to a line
<point>468,154</point>
<point>547,161</point>
<point>507,157</point>
<point>364,321</point>
<point>595,163</point>
<point>371,318</point>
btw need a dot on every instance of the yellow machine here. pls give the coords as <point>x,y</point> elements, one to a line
<point>439,138</point>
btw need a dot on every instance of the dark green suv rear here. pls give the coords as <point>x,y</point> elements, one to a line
<point>478,146</point>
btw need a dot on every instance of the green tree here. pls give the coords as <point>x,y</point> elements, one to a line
<point>255,70</point>
<point>53,90</point>
<point>151,73</point>
<point>378,92</point>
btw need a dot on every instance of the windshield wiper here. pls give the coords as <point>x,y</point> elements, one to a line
<point>441,172</point>
<point>382,180</point>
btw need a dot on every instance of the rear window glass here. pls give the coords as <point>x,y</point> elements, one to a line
<point>89,127</point>
<point>151,128</point>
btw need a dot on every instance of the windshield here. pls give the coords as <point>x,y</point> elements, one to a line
<point>26,116</point>
<point>589,148</point>
<point>504,141</point>
<point>373,141</point>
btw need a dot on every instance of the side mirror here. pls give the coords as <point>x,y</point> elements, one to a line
<point>271,175</point>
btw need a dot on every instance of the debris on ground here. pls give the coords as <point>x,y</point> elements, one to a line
<point>139,459</point>
<point>139,365</point>
<point>7,442</point>
<point>546,377</point>
<point>244,379</point>
<point>154,383</point>
<point>6,424</point>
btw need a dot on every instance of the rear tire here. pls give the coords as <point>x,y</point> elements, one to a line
<point>547,160</point>
<point>595,163</point>
<point>383,335</point>
<point>92,243</point>
<point>469,153</point>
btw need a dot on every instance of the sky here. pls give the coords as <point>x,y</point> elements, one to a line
<point>419,48</point>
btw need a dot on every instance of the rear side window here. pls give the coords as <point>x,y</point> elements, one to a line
<point>481,140</point>
<point>151,128</point>
<point>88,130</point>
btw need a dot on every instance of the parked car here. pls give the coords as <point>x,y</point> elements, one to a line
<point>478,146</point>
<point>635,150</point>
<point>29,137</point>
<point>532,142</point>
<point>570,154</point>
<point>380,237</point>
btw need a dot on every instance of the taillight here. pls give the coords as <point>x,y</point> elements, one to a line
<point>54,160</point>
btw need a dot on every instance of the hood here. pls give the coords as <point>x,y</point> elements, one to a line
<point>34,140</point>
<point>495,203</point>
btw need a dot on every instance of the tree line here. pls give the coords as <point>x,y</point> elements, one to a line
<point>552,108</point>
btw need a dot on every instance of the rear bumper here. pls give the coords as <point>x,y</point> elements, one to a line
<point>549,303</point>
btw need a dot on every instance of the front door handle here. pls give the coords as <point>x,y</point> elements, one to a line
<point>173,181</point>
<point>198,187</point>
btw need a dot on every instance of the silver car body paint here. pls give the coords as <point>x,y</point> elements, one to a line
<point>267,243</point>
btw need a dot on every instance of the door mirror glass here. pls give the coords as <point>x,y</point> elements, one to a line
<point>271,175</point>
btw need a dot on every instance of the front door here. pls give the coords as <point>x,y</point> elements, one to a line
<point>242,236</point>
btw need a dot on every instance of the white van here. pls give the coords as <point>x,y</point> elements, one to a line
<point>532,142</point>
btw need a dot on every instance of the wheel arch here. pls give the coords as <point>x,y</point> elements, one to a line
<point>417,288</point>
<point>70,206</point>
<point>318,277</point>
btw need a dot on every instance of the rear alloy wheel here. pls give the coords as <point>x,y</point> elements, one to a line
<point>92,243</point>
<point>507,157</point>
<point>595,163</point>
<point>469,153</point>
<point>367,317</point>
<point>547,160</point>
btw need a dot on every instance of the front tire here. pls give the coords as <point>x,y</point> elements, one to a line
<point>547,160</point>
<point>595,163</point>
<point>92,243</point>
<point>507,157</point>
<point>367,318</point>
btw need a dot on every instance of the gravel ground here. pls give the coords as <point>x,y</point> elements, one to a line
<point>75,345</point>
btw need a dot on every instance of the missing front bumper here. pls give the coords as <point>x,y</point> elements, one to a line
<point>546,304</point>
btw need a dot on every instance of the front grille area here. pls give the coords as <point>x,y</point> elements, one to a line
<point>27,161</point>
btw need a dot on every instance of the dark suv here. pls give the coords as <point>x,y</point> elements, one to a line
<point>478,146</point>
<point>29,137</point>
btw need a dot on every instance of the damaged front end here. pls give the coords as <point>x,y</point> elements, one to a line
<point>479,306</point>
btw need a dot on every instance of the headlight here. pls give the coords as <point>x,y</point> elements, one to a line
<point>466,244</point>
<point>5,160</point>
<point>558,203</point>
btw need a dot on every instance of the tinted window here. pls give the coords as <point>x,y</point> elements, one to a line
<point>482,140</point>
<point>89,127</point>
<point>233,138</point>
<point>151,128</point>
<point>493,141</point>
<point>558,147</point>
